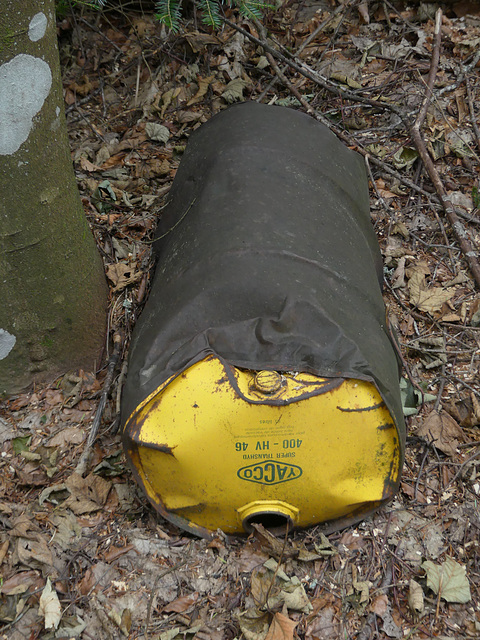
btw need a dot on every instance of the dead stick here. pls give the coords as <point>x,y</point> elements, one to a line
<point>305,43</point>
<point>84,458</point>
<point>309,73</point>
<point>349,140</point>
<point>458,228</point>
<point>473,120</point>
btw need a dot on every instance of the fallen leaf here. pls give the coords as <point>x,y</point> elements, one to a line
<point>234,90</point>
<point>71,627</point>
<point>253,624</point>
<point>181,604</point>
<point>425,298</point>
<point>379,605</point>
<point>324,547</point>
<point>273,583</point>
<point>398,278</point>
<point>68,531</point>
<point>415,598</point>
<point>67,437</point>
<point>363,11</point>
<point>324,625</point>
<point>466,411</point>
<point>49,606</point>
<point>363,587</point>
<point>281,628</point>
<point>170,634</point>
<point>87,494</point>
<point>86,165</point>
<point>203,84</point>
<point>122,275</point>
<point>448,580</point>
<point>123,620</point>
<point>157,132</point>
<point>199,41</point>
<point>441,430</point>
<point>20,583</point>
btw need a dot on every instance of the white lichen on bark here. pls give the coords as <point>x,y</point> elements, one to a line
<point>37,27</point>
<point>25,83</point>
<point>7,342</point>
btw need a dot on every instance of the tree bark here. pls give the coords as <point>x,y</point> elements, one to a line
<point>52,284</point>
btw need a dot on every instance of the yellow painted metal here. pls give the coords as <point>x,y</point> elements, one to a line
<point>219,447</point>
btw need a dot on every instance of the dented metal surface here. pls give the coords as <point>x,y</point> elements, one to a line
<point>235,459</point>
<point>268,283</point>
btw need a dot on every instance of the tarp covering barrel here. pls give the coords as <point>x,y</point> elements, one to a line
<point>262,382</point>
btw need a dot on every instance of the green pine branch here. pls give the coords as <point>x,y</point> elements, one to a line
<point>211,12</point>
<point>168,12</point>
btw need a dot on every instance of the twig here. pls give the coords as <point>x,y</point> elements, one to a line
<point>341,7</point>
<point>367,632</point>
<point>461,76</point>
<point>85,457</point>
<point>100,33</point>
<point>79,103</point>
<point>462,467</point>
<point>333,88</point>
<point>458,228</point>
<point>274,577</point>
<point>343,135</point>
<point>473,120</point>
<point>441,387</point>
<point>315,77</point>
<point>154,588</point>
<point>390,213</point>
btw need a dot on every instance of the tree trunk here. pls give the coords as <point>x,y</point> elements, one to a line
<point>52,284</point>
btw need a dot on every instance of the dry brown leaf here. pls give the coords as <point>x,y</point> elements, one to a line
<point>363,11</point>
<point>324,626</point>
<point>122,275</point>
<point>253,623</point>
<point>203,84</point>
<point>466,411</point>
<point>67,437</point>
<point>379,605</point>
<point>415,598</point>
<point>3,550</point>
<point>398,278</point>
<point>441,430</point>
<point>199,41</point>
<point>49,606</point>
<point>181,604</point>
<point>272,545</point>
<point>86,165</point>
<point>88,583</point>
<point>281,628</point>
<point>87,494</point>
<point>424,298</point>
<point>115,552</point>
<point>123,620</point>
<point>21,582</point>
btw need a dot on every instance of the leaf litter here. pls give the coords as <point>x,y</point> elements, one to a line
<point>87,557</point>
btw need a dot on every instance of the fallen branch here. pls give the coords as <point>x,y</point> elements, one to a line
<point>272,53</point>
<point>341,8</point>
<point>473,120</point>
<point>315,77</point>
<point>85,457</point>
<point>458,229</point>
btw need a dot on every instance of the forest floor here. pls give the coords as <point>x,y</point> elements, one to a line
<point>87,557</point>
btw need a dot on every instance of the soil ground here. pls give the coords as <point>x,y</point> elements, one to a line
<point>87,557</point>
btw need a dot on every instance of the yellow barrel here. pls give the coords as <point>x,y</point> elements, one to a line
<point>221,447</point>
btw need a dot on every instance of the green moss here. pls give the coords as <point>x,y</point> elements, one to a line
<point>8,37</point>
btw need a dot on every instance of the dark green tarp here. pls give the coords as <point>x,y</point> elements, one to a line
<point>266,258</point>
